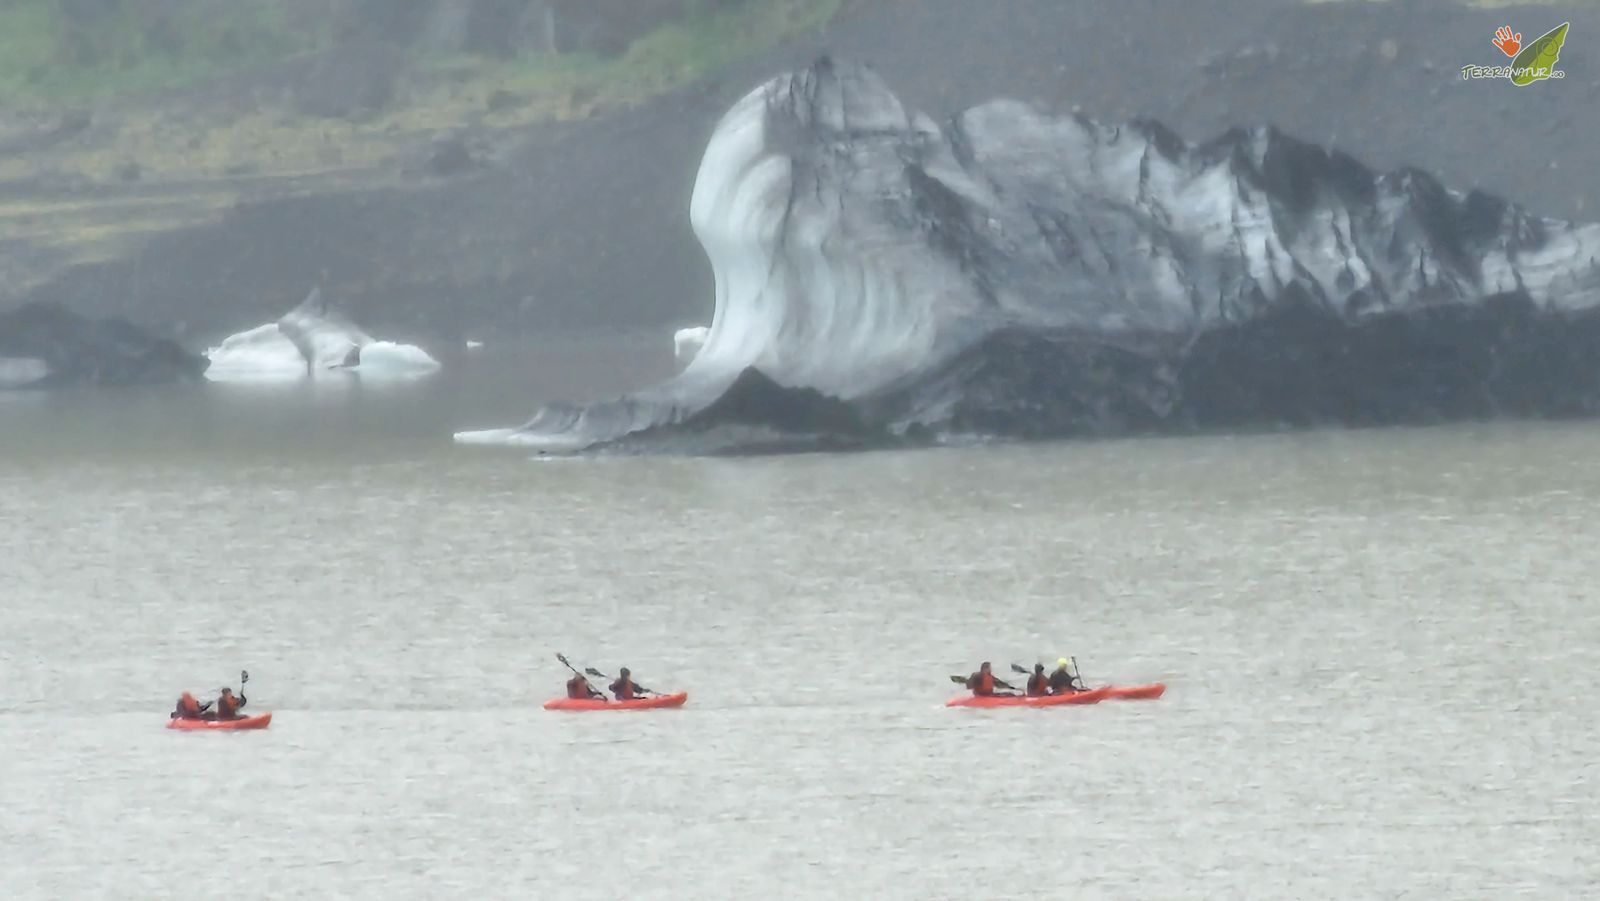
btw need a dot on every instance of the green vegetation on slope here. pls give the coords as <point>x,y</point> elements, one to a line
<point>167,154</point>
<point>132,54</point>
<point>574,84</point>
<point>48,53</point>
<point>56,51</point>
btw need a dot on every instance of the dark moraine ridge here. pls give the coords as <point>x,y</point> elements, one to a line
<point>45,345</point>
<point>757,416</point>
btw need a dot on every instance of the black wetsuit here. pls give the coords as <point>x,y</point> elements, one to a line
<point>1062,682</point>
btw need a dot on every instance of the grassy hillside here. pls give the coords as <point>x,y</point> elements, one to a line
<point>187,103</point>
<point>47,54</point>
<point>64,51</point>
<point>174,110</point>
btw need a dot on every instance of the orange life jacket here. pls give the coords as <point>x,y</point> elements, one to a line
<point>1038,685</point>
<point>578,688</point>
<point>188,706</point>
<point>228,706</point>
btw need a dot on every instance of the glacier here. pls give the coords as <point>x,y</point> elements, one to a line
<point>1016,273</point>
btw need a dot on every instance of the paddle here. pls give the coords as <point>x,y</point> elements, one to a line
<point>962,681</point>
<point>244,677</point>
<point>1026,672</point>
<point>592,693</point>
<point>1077,676</point>
<point>637,687</point>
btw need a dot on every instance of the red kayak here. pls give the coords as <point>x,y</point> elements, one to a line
<point>1093,696</point>
<point>1136,692</point>
<point>635,704</point>
<point>259,721</point>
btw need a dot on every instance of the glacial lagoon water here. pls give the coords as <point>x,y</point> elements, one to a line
<point>1381,649</point>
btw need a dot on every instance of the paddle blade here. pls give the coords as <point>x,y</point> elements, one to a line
<point>959,680</point>
<point>594,672</point>
<point>1018,669</point>
<point>244,676</point>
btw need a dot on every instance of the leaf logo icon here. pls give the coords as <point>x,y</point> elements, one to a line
<point>1538,59</point>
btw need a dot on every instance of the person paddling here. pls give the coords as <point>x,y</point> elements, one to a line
<point>983,682</point>
<point>625,688</point>
<point>229,704</point>
<point>189,708</point>
<point>1038,683</point>
<point>578,688</point>
<point>1062,681</point>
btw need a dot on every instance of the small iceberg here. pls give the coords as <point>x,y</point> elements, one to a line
<point>22,372</point>
<point>312,340</point>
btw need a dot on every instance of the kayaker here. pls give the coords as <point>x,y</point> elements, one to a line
<point>1038,683</point>
<point>625,688</point>
<point>228,706</point>
<point>1062,681</point>
<point>578,688</point>
<point>983,682</point>
<point>189,708</point>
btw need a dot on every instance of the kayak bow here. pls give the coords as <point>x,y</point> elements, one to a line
<point>1136,692</point>
<point>581,704</point>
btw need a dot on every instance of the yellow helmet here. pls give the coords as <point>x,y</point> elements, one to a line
<point>1062,663</point>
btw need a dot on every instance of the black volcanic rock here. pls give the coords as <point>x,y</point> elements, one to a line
<point>1300,365</point>
<point>45,345</point>
<point>756,415</point>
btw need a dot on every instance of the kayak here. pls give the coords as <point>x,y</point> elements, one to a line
<point>1092,696</point>
<point>1136,692</point>
<point>636,704</point>
<point>259,721</point>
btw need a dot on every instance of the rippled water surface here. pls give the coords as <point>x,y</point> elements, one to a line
<point>1380,647</point>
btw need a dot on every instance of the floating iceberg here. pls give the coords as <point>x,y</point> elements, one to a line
<point>312,340</point>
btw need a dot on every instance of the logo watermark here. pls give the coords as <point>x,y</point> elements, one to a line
<point>1529,63</point>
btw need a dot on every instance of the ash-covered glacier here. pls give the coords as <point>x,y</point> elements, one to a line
<point>1019,274</point>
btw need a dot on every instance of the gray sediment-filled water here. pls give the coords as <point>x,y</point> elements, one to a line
<point>1380,647</point>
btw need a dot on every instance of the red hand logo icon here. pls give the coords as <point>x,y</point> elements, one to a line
<point>1508,43</point>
